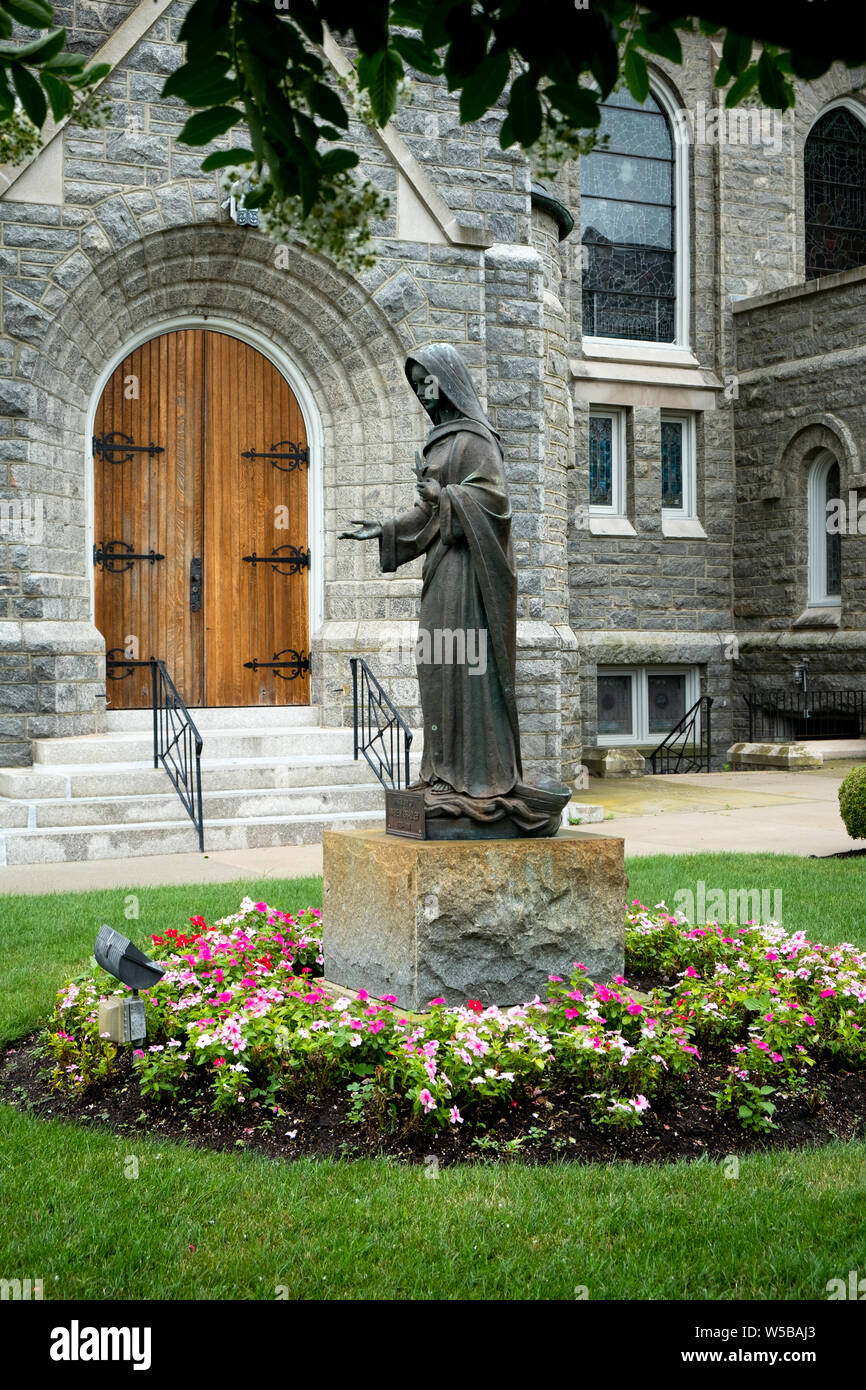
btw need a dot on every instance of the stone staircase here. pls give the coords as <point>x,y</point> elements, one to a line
<point>100,797</point>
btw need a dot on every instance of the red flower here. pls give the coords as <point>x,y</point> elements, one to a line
<point>475,1005</point>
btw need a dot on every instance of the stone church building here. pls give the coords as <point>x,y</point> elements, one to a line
<point>669,339</point>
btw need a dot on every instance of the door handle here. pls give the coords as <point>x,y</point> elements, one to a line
<point>195,584</point>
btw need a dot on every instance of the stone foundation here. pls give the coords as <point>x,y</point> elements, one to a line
<point>469,919</point>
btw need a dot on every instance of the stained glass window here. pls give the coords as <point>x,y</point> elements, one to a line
<point>835,185</point>
<point>672,463</point>
<point>600,461</point>
<point>834,538</point>
<point>614,705</point>
<point>627,200</point>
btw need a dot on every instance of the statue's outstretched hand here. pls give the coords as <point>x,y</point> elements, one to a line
<point>367,531</point>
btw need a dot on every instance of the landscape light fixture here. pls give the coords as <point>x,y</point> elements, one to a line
<point>123,1019</point>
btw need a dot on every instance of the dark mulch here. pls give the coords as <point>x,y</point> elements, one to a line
<point>548,1124</point>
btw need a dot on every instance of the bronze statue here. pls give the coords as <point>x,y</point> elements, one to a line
<point>471,771</point>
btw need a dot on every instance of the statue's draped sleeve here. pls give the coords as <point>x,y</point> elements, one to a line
<point>407,536</point>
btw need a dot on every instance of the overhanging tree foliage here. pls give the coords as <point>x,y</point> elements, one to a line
<point>547,63</point>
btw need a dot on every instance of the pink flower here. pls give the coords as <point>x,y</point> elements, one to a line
<point>434,1003</point>
<point>572,1013</point>
<point>376,1027</point>
<point>362,995</point>
<point>223,998</point>
<point>692,973</point>
<point>392,999</point>
<point>455,1117</point>
<point>640,1103</point>
<point>776,1057</point>
<point>807,1018</point>
<point>633,1008</point>
<point>427,1101</point>
<point>825,993</point>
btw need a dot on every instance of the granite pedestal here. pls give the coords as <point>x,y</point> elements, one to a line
<point>470,919</point>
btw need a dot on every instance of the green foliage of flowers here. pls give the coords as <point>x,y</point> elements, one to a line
<point>852,802</point>
<point>241,1013</point>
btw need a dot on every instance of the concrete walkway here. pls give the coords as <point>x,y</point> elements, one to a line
<point>746,812</point>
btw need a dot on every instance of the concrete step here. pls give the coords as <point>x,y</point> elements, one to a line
<point>80,843</point>
<point>136,746</point>
<point>249,804</point>
<point>126,721</point>
<point>143,779</point>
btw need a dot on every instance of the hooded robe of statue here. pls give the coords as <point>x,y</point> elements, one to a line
<point>471,736</point>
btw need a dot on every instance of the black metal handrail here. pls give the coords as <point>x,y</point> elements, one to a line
<point>777,715</point>
<point>381,732</point>
<point>689,744</point>
<point>177,744</point>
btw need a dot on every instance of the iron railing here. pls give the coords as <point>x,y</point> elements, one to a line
<point>688,746</point>
<point>177,744</point>
<point>381,732</point>
<point>776,716</point>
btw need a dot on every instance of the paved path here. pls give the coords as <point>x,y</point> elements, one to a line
<point>750,812</point>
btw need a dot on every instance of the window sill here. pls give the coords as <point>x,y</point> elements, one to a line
<point>819,615</point>
<point>626,350</point>
<point>683,527</point>
<point>610,526</point>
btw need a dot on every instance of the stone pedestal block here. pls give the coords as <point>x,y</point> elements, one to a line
<point>466,919</point>
<point>615,762</point>
<point>789,757</point>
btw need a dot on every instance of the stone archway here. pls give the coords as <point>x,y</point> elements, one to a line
<point>340,339</point>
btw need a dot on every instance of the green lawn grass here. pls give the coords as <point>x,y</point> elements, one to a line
<point>234,1226</point>
<point>71,1215</point>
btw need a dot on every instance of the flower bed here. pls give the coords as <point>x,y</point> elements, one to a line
<point>241,1017</point>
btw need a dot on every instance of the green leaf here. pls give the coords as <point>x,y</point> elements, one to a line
<point>193,80</point>
<point>34,13</point>
<point>31,95</point>
<point>737,52</point>
<point>579,104</point>
<point>524,108</point>
<point>335,161</point>
<point>417,54</point>
<point>723,74</point>
<point>506,134</point>
<point>91,75</point>
<point>59,95</point>
<point>661,38</point>
<point>65,62</point>
<point>745,1112</point>
<point>379,75</point>
<point>325,102</point>
<point>775,91</point>
<point>43,48</point>
<point>484,88</point>
<point>7,99</point>
<point>205,126</point>
<point>225,159</point>
<point>636,74</point>
<point>743,85</point>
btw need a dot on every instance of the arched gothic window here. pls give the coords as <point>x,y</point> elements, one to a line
<point>629,217</point>
<point>835,186</point>
<point>825,539</point>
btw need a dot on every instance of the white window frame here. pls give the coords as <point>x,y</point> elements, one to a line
<point>673,517</point>
<point>612,520</point>
<point>640,734</point>
<point>681,142</point>
<point>817,526</point>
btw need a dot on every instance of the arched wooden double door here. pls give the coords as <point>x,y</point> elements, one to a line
<point>200,525</point>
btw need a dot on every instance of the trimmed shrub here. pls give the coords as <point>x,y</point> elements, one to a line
<point>852,802</point>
